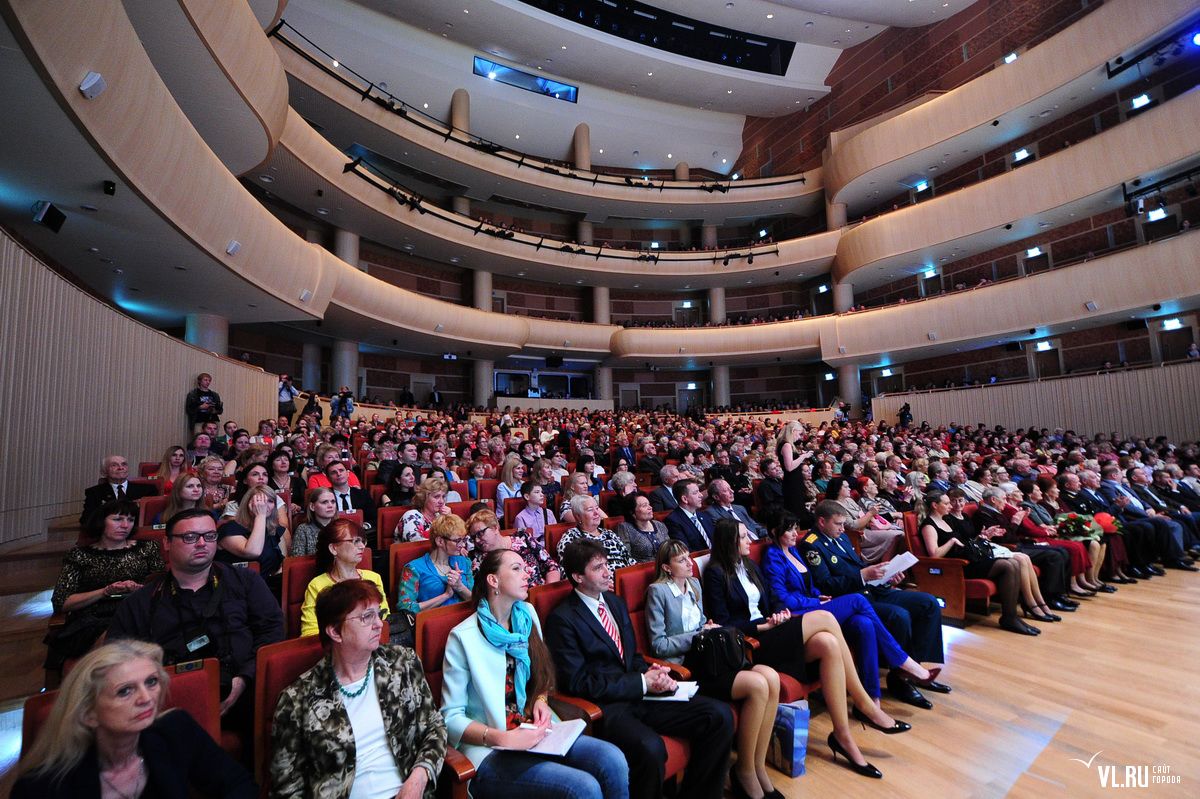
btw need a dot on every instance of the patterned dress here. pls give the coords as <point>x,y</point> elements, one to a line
<point>618,553</point>
<point>538,561</point>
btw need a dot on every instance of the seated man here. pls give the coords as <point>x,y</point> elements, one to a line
<point>650,461</point>
<point>914,618</point>
<point>200,609</point>
<point>661,497</point>
<point>721,506</point>
<point>1052,562</point>
<point>591,637</point>
<point>114,485</point>
<point>1129,508</point>
<point>686,523</point>
<point>348,497</point>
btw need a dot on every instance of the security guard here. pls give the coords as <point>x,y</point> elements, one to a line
<point>914,618</point>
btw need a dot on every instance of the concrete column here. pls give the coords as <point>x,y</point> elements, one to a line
<point>345,246</point>
<point>683,171</point>
<point>843,296</point>
<point>461,206</point>
<point>601,307</point>
<point>720,380</point>
<point>708,237</point>
<point>207,331</point>
<point>835,215</point>
<point>481,293</point>
<point>460,110</point>
<point>310,367</point>
<point>603,381</point>
<point>849,389</point>
<point>583,232</point>
<point>344,365</point>
<point>581,147</point>
<point>481,384</point>
<point>716,304</point>
<point>314,236</point>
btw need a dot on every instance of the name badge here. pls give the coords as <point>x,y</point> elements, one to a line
<point>198,643</point>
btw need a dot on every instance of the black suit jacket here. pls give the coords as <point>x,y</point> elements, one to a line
<point>662,499</point>
<point>681,528</point>
<point>178,754</point>
<point>726,603</point>
<point>360,499</point>
<point>770,492</point>
<point>1082,502</point>
<point>587,659</point>
<point>97,495</point>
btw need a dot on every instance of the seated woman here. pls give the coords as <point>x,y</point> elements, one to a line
<point>199,449</point>
<point>96,576</point>
<point>688,466</point>
<point>624,485</point>
<point>587,517</point>
<point>281,476</point>
<point>674,615</point>
<point>1000,522</point>
<point>879,541</point>
<point>535,516</point>
<point>212,476</point>
<point>256,474</point>
<point>641,533</point>
<point>173,463</point>
<point>321,508</point>
<point>439,467</point>
<point>586,465</point>
<point>340,546</point>
<point>253,535</point>
<point>238,444</point>
<point>620,467</point>
<point>483,528</point>
<point>495,681</point>
<point>947,535</point>
<point>107,736</point>
<point>401,486</point>
<point>577,486</point>
<point>429,503</point>
<point>870,500</point>
<point>512,474</point>
<point>542,473</point>
<point>443,575</point>
<point>476,472</point>
<point>187,492</point>
<point>793,589</point>
<point>1039,525</point>
<point>735,595</point>
<point>363,698</point>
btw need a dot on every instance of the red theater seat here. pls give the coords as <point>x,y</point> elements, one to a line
<point>943,577</point>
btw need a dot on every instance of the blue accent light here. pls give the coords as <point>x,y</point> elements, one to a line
<point>524,80</point>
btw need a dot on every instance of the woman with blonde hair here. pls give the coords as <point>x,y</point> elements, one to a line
<point>512,474</point>
<point>578,485</point>
<point>443,575</point>
<point>107,735</point>
<point>253,535</point>
<point>320,508</point>
<point>212,476</point>
<point>173,463</point>
<point>429,502</point>
<point>791,460</point>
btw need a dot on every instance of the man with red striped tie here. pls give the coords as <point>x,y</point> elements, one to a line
<point>590,635</point>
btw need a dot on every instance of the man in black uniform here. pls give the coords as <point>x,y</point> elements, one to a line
<point>914,618</point>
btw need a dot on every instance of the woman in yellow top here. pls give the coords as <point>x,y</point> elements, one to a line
<point>339,549</point>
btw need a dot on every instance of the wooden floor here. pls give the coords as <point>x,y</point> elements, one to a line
<point>1119,678</point>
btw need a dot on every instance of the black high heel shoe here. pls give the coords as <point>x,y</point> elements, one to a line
<point>1038,615</point>
<point>1047,614</point>
<point>897,727</point>
<point>867,770</point>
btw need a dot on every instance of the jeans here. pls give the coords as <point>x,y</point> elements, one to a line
<point>592,769</point>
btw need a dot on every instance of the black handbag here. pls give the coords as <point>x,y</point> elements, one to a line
<point>979,550</point>
<point>716,653</point>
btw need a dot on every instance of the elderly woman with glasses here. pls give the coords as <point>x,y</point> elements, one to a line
<point>443,575</point>
<point>339,550</point>
<point>361,722</point>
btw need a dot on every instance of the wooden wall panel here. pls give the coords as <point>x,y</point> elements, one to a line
<point>79,380</point>
<point>1143,402</point>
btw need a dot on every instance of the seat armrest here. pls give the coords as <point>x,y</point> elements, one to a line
<point>752,642</point>
<point>574,707</point>
<point>457,766</point>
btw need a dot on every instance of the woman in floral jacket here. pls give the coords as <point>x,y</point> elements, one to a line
<point>363,717</point>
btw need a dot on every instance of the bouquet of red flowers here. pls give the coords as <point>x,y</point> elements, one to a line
<point>1078,527</point>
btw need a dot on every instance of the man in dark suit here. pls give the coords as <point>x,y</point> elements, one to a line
<point>1139,536</point>
<point>662,498</point>
<point>650,461</point>
<point>114,484</point>
<point>1165,504</point>
<point>1053,563</point>
<point>623,450</point>
<point>1178,496</point>
<point>1168,534</point>
<point>686,523</point>
<point>722,506</point>
<point>349,498</point>
<point>591,637</point>
<point>770,490</point>
<point>914,618</point>
<point>1133,541</point>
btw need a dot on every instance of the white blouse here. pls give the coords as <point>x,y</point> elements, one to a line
<point>753,595</point>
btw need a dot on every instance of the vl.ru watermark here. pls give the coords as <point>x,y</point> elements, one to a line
<point>1126,776</point>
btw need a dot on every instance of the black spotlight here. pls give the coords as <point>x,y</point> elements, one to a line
<point>110,187</point>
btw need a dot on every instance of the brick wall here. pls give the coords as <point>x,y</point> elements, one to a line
<point>897,66</point>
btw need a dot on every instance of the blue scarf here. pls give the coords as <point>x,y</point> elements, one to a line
<point>515,643</point>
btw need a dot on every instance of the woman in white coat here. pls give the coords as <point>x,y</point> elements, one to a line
<point>496,678</point>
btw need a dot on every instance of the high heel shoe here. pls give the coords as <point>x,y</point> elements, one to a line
<point>1043,617</point>
<point>1015,625</point>
<point>738,790</point>
<point>1077,592</point>
<point>1045,611</point>
<point>867,770</point>
<point>897,727</point>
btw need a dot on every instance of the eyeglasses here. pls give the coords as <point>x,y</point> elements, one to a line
<point>191,538</point>
<point>358,541</point>
<point>370,617</point>
<point>457,541</point>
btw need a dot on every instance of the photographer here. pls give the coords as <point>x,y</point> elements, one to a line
<point>287,398</point>
<point>342,404</point>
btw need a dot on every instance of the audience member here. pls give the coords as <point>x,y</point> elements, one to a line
<point>641,533</point>
<point>339,550</point>
<point>587,527</point>
<point>483,529</point>
<point>202,404</point>
<point>442,576</point>
<point>113,486</point>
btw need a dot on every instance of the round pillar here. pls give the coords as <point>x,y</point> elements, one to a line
<point>207,331</point>
<point>604,384</point>
<point>850,390</point>
<point>835,216</point>
<point>601,307</point>
<point>843,297</point>
<point>481,384</point>
<point>344,365</point>
<point>481,292</point>
<point>720,381</point>
<point>460,110</point>
<point>683,171</point>
<point>461,206</point>
<point>708,237</point>
<point>310,367</point>
<point>581,147</point>
<point>345,246</point>
<point>716,304</point>
<point>584,232</point>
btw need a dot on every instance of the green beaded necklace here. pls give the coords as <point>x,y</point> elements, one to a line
<point>361,688</point>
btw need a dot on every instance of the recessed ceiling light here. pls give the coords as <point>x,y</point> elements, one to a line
<point>466,11</point>
<point>336,64</point>
<point>425,105</point>
<point>729,91</point>
<point>517,136</point>
<point>724,160</point>
<point>323,211</point>
<point>266,178</point>
<point>93,249</point>
<point>770,16</point>
<point>809,23</point>
<point>649,74</point>
<point>837,41</point>
<point>669,155</point>
<point>564,47</point>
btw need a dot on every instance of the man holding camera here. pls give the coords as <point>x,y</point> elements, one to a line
<point>287,397</point>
